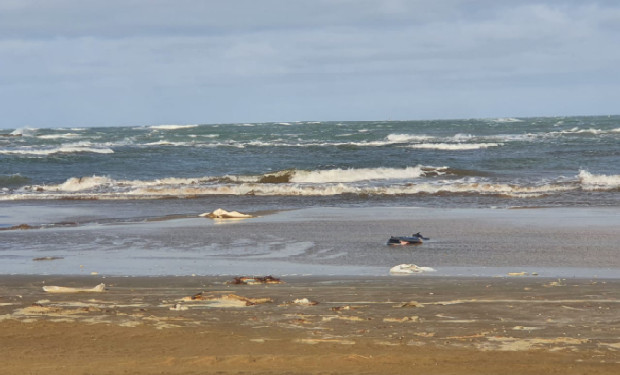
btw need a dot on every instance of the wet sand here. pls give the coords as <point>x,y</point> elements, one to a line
<point>310,325</point>
<point>553,242</point>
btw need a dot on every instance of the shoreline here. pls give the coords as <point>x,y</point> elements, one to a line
<point>327,241</point>
<point>185,325</point>
<point>531,272</point>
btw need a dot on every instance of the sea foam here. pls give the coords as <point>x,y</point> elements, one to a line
<point>363,174</point>
<point>593,182</point>
<point>80,147</point>
<point>406,138</point>
<point>83,183</point>
<point>312,184</point>
<point>455,146</point>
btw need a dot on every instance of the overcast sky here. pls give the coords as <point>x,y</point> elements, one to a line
<point>141,62</point>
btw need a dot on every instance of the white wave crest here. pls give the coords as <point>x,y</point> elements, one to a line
<point>80,147</point>
<point>506,120</point>
<point>59,136</point>
<point>592,182</point>
<point>75,184</point>
<point>455,146</point>
<point>576,130</point>
<point>169,143</point>
<point>25,132</point>
<point>172,127</point>
<point>364,174</point>
<point>328,189</point>
<point>406,138</point>
<point>101,187</point>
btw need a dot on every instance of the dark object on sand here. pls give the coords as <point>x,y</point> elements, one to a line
<point>253,280</point>
<point>415,239</point>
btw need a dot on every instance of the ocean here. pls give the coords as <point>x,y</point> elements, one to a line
<point>559,161</point>
<point>327,195</point>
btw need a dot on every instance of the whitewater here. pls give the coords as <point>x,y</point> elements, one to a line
<point>554,161</point>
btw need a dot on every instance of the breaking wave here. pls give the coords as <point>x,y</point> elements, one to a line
<point>406,138</point>
<point>25,132</point>
<point>84,183</point>
<point>60,136</point>
<point>104,188</point>
<point>363,182</point>
<point>363,174</point>
<point>598,182</point>
<point>455,146</point>
<point>506,120</point>
<point>80,147</point>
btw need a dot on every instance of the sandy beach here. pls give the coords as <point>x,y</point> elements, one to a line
<point>525,291</point>
<point>310,325</point>
<point>309,187</point>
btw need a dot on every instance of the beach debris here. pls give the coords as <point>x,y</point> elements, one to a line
<point>414,239</point>
<point>406,269</point>
<point>345,308</point>
<point>300,302</point>
<point>304,302</point>
<point>178,307</point>
<point>63,289</point>
<point>46,258</point>
<point>522,328</point>
<point>195,297</point>
<point>555,283</point>
<point>228,300</point>
<point>232,299</point>
<point>223,214</point>
<point>255,280</point>
<point>517,273</point>
<point>406,319</point>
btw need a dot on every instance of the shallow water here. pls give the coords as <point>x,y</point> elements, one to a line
<point>560,242</point>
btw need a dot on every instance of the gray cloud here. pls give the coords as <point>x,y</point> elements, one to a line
<point>120,62</point>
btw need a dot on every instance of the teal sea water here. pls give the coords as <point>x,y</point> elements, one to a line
<point>559,161</point>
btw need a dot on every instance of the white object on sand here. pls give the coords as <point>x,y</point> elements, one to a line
<point>179,307</point>
<point>406,269</point>
<point>223,214</point>
<point>64,289</point>
<point>304,302</point>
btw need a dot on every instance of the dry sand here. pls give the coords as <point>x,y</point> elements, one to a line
<point>412,324</point>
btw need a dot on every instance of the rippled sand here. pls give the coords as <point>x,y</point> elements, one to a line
<point>411,324</point>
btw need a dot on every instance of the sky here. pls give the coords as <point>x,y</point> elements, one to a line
<point>68,63</point>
